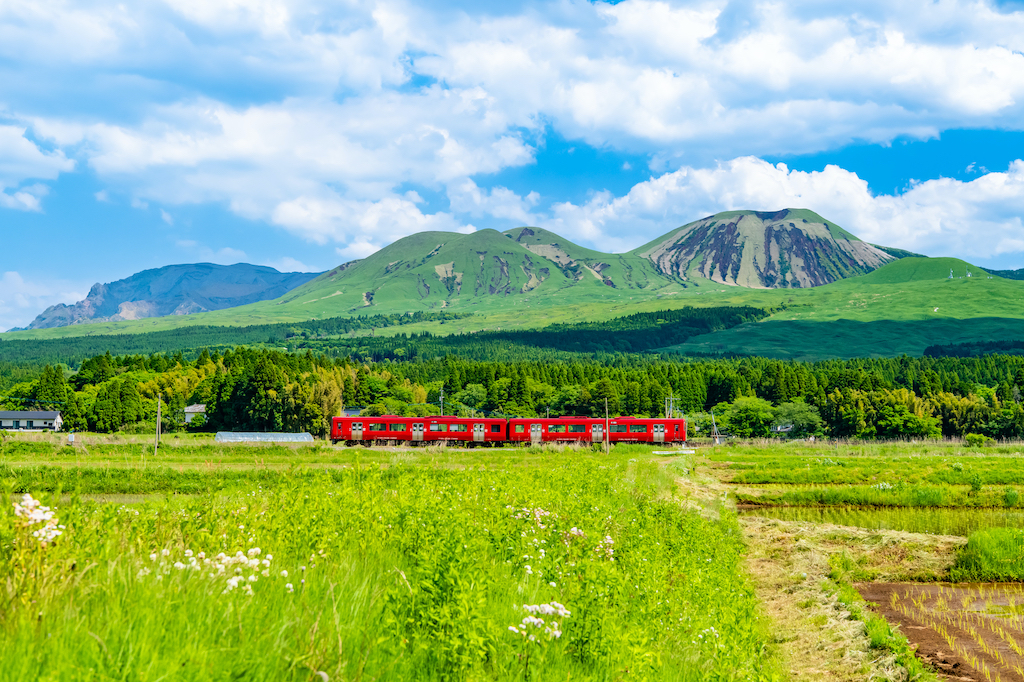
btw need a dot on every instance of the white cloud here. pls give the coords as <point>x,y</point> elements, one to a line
<point>166,217</point>
<point>941,217</point>
<point>22,160</point>
<point>318,117</point>
<point>364,226</point>
<point>498,202</point>
<point>21,300</point>
<point>289,264</point>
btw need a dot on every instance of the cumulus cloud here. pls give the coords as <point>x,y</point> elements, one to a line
<point>364,226</point>
<point>22,160</point>
<point>21,300</point>
<point>320,117</point>
<point>940,217</point>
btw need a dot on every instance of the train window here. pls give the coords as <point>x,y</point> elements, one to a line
<point>556,428</point>
<point>638,428</point>
<point>397,427</point>
<point>520,428</point>
<point>677,427</point>
<point>458,427</point>
<point>377,427</point>
<point>495,428</point>
<point>619,428</point>
<point>577,428</point>
<point>438,427</point>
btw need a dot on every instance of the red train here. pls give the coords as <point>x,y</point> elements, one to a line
<point>521,430</point>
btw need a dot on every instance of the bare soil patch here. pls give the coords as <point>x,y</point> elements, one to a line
<point>966,632</point>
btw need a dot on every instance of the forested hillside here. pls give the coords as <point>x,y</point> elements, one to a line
<point>262,389</point>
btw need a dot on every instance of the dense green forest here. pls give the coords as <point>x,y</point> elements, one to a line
<point>266,389</point>
<point>191,340</point>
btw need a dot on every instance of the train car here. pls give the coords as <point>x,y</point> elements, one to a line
<point>646,430</point>
<point>392,428</point>
<point>592,430</point>
<point>473,430</point>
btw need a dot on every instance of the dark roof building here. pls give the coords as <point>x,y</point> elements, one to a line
<point>36,420</point>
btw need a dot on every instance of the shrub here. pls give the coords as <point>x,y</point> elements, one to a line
<point>976,440</point>
<point>1010,497</point>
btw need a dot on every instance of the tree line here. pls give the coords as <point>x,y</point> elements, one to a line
<point>263,389</point>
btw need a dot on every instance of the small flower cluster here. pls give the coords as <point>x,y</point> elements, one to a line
<point>533,623</point>
<point>535,514</point>
<point>34,512</point>
<point>711,634</point>
<point>238,564</point>
<point>573,533</point>
<point>882,486</point>
<point>604,548</point>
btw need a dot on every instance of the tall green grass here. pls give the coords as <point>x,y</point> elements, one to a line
<point>397,573</point>
<point>993,555</point>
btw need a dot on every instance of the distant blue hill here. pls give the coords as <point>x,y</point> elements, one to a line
<point>174,290</point>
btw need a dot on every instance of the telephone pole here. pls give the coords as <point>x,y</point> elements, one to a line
<point>156,442</point>
<point>607,430</point>
<point>442,401</point>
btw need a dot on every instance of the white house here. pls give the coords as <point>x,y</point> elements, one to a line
<point>37,421</point>
<point>192,410</point>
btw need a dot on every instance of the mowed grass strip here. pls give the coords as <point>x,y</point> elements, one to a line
<point>400,572</point>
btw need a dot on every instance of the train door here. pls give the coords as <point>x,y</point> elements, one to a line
<point>597,433</point>
<point>535,434</point>
<point>357,430</point>
<point>417,432</point>
<point>659,433</point>
<point>478,433</point>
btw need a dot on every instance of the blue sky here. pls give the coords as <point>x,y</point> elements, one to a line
<point>301,134</point>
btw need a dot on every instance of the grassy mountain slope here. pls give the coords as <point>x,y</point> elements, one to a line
<point>900,308</point>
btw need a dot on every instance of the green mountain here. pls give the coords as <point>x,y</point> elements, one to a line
<point>877,303</point>
<point>484,269</point>
<point>791,248</point>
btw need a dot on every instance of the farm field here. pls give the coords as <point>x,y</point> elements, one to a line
<point>390,565</point>
<point>939,551</point>
<point>419,563</point>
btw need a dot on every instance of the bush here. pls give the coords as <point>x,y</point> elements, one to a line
<point>1010,497</point>
<point>976,440</point>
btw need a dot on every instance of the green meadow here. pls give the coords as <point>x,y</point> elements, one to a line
<point>411,566</point>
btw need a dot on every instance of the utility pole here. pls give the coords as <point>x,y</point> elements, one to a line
<point>607,430</point>
<point>442,401</point>
<point>156,442</point>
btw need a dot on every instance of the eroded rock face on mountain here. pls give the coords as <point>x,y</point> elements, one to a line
<point>784,249</point>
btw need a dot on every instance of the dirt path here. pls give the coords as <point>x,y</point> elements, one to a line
<point>788,562</point>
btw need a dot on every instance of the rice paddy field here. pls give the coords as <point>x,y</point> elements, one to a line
<point>799,561</point>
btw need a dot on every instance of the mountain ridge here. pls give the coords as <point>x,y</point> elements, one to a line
<point>182,289</point>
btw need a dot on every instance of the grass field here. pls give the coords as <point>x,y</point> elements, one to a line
<point>397,565</point>
<point>420,563</point>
